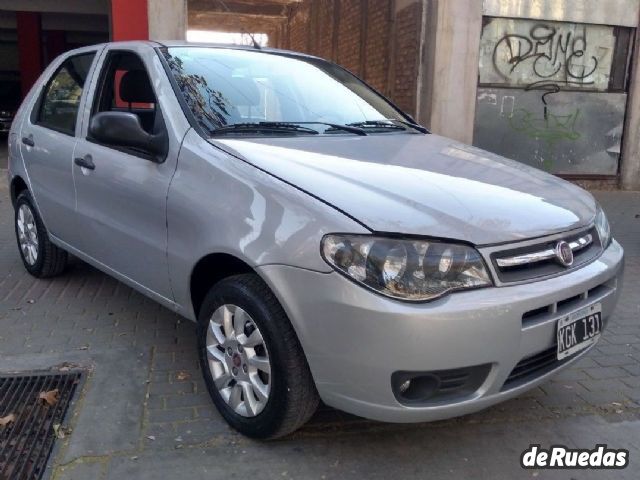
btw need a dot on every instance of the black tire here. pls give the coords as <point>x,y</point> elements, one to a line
<point>50,259</point>
<point>293,397</point>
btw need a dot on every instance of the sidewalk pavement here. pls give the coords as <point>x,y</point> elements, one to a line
<point>143,411</point>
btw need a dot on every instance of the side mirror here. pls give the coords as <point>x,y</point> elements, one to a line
<point>123,129</point>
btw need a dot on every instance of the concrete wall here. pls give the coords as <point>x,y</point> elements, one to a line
<point>630,164</point>
<point>449,75</point>
<point>167,19</point>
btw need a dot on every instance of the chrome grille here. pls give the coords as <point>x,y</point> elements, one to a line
<point>542,255</point>
<point>535,259</point>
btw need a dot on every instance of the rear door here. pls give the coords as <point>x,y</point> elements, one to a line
<point>48,139</point>
<point>121,200</point>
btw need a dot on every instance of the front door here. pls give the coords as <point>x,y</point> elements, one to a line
<point>122,192</point>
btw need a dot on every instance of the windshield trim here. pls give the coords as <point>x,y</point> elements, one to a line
<point>162,49</point>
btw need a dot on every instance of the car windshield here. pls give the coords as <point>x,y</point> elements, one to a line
<point>245,91</point>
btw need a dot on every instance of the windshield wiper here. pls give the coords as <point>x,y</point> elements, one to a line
<point>415,126</point>
<point>264,127</point>
<point>337,126</point>
<point>292,127</point>
<point>387,123</point>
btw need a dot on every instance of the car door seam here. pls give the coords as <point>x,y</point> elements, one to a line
<point>166,215</point>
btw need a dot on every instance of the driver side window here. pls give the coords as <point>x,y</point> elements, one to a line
<point>125,87</point>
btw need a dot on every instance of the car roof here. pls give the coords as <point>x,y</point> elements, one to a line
<point>183,43</point>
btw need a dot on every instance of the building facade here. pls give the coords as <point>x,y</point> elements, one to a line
<point>550,83</point>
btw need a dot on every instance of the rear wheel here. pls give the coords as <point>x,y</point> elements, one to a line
<point>252,362</point>
<point>40,257</point>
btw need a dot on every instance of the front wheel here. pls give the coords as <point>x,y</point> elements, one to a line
<point>252,362</point>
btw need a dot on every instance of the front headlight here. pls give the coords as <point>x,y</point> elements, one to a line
<point>414,270</point>
<point>603,228</point>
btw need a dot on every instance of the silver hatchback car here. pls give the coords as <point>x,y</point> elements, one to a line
<point>327,246</point>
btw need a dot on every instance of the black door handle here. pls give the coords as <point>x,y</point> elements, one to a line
<point>85,162</point>
<point>29,141</point>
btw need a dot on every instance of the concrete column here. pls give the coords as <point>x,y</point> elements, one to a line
<point>630,158</point>
<point>29,29</point>
<point>448,76</point>
<point>167,19</point>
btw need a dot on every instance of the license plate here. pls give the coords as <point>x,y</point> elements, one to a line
<point>579,330</point>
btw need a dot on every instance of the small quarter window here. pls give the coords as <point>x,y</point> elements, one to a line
<point>60,102</point>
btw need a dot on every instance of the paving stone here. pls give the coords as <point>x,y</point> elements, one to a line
<point>82,470</point>
<point>633,370</point>
<point>570,375</point>
<point>606,372</point>
<point>615,360</point>
<point>598,398</point>
<point>159,435</point>
<point>171,388</point>
<point>170,415</point>
<point>208,411</point>
<point>200,430</point>
<point>610,384</point>
<point>623,339</point>
<point>633,382</point>
<point>614,349</point>
<point>195,400</point>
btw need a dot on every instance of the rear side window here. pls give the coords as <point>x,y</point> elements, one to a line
<point>58,108</point>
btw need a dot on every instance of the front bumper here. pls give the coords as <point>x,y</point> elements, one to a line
<point>354,339</point>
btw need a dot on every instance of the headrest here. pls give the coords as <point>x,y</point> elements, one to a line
<point>242,92</point>
<point>135,87</point>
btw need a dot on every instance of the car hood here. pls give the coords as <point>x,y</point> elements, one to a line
<point>422,185</point>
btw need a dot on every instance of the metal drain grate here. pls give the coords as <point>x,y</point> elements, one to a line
<point>26,441</point>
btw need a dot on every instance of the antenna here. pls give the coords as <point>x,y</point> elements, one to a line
<point>256,45</point>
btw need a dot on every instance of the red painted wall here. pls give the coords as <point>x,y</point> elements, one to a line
<point>129,20</point>
<point>29,48</point>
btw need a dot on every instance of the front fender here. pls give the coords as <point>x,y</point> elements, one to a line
<point>220,204</point>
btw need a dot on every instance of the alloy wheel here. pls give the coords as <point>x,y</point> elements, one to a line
<point>238,360</point>
<point>27,234</point>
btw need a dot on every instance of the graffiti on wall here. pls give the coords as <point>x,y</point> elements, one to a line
<point>550,128</point>
<point>531,74</point>
<point>546,57</point>
<point>526,52</point>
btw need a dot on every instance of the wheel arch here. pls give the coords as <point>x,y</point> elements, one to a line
<point>211,269</point>
<point>18,185</point>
